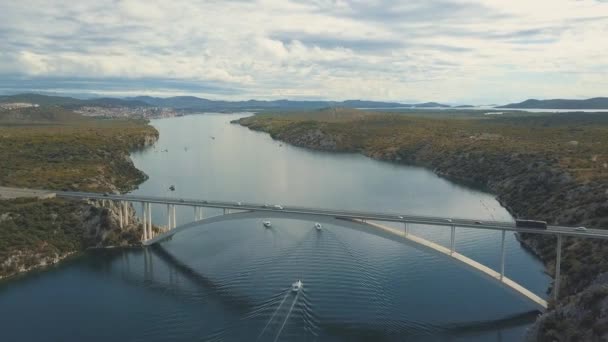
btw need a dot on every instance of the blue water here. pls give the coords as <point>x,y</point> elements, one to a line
<point>231,280</point>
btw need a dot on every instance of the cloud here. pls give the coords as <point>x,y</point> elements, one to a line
<point>444,50</point>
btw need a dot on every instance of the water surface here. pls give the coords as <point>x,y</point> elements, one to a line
<point>230,280</point>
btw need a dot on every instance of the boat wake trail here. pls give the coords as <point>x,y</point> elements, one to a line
<point>272,317</point>
<point>295,300</point>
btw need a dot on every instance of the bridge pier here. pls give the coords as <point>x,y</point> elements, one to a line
<point>144,210</point>
<point>453,240</point>
<point>198,213</point>
<point>169,218</point>
<point>149,221</point>
<point>120,223</point>
<point>405,229</point>
<point>174,216</point>
<point>558,261</point>
<point>125,207</point>
<point>502,257</point>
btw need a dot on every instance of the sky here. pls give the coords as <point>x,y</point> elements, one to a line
<point>451,51</point>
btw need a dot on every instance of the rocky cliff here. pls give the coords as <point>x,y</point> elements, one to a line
<point>37,233</point>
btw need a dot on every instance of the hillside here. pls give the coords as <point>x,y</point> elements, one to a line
<point>54,148</point>
<point>546,167</point>
<point>594,103</point>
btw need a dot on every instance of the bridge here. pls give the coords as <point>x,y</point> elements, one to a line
<point>236,210</point>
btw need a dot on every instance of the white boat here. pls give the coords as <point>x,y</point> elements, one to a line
<point>318,226</point>
<point>295,287</point>
<point>266,224</point>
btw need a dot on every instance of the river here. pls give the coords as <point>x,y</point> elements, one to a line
<point>231,280</point>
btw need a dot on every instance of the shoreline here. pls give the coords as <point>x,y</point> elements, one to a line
<point>98,224</point>
<point>527,184</point>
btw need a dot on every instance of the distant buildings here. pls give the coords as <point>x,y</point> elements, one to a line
<point>17,105</point>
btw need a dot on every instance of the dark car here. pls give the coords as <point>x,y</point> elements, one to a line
<point>531,224</point>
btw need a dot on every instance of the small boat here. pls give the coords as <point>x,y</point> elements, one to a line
<point>172,188</point>
<point>266,224</point>
<point>318,226</point>
<point>297,286</point>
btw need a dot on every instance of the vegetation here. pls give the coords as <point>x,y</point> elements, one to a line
<point>53,148</point>
<point>57,149</point>
<point>578,141</point>
<point>551,167</point>
<point>35,232</point>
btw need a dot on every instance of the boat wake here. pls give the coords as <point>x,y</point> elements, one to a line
<point>279,308</point>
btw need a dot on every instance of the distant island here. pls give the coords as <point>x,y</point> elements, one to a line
<point>193,103</point>
<point>197,104</point>
<point>594,103</point>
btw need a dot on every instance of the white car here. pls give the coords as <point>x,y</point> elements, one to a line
<point>276,206</point>
<point>580,229</point>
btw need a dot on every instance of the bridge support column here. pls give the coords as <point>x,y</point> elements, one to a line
<point>224,211</point>
<point>169,220</point>
<point>144,210</point>
<point>405,229</point>
<point>453,240</point>
<point>120,214</point>
<point>174,216</point>
<point>502,257</point>
<point>150,233</point>
<point>558,261</point>
<point>125,206</point>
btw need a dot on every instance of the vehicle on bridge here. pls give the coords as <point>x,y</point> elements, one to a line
<point>531,224</point>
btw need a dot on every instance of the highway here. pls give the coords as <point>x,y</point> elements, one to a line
<point>347,214</point>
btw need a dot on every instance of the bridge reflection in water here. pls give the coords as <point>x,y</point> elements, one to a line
<point>165,273</point>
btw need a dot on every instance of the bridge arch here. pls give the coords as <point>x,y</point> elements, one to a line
<point>376,229</point>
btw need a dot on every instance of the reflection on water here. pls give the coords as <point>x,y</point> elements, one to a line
<point>231,280</point>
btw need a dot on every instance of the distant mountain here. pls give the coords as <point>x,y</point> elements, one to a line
<point>200,104</point>
<point>42,100</point>
<point>195,103</point>
<point>594,103</point>
<point>430,105</point>
<point>70,102</point>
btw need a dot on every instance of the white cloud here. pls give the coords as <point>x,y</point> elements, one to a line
<point>444,50</point>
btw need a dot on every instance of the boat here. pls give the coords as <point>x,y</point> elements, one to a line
<point>266,224</point>
<point>318,226</point>
<point>297,286</point>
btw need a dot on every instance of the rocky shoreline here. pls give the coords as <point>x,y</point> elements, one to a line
<point>529,185</point>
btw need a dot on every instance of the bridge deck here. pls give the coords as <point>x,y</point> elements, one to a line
<point>375,216</point>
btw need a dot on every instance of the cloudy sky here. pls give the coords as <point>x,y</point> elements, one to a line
<point>455,51</point>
